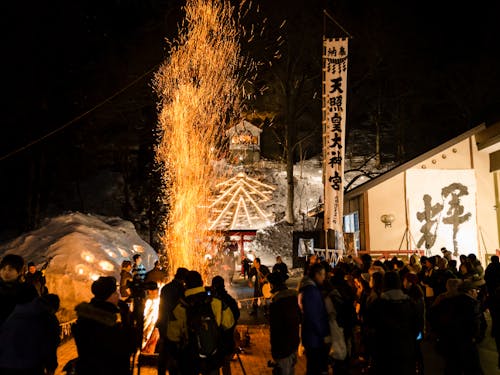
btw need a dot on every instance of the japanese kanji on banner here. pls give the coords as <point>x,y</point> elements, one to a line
<point>442,210</point>
<point>334,115</point>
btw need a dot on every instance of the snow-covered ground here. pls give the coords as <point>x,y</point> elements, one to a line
<point>80,249</point>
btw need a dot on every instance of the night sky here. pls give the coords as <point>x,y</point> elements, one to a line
<point>428,70</point>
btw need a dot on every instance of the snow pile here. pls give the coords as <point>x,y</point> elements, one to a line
<point>80,249</point>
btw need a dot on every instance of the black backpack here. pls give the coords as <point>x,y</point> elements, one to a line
<point>203,332</point>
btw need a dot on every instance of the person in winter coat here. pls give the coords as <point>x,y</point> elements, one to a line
<point>457,322</point>
<point>260,272</point>
<point>138,269</point>
<point>492,275</point>
<point>104,341</point>
<point>315,329</point>
<point>12,291</point>
<point>393,321</point>
<point>179,332</point>
<point>412,288</point>
<point>280,266</point>
<point>169,298</point>
<point>219,291</point>
<point>125,279</point>
<point>284,321</point>
<point>35,278</point>
<point>157,275</point>
<point>29,338</point>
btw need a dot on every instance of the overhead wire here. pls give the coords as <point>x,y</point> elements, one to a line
<point>79,117</point>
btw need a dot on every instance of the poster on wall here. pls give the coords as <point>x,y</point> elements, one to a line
<point>442,210</point>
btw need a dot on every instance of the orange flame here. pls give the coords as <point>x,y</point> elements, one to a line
<point>198,88</point>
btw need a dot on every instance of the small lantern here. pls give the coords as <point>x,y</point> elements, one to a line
<point>387,219</point>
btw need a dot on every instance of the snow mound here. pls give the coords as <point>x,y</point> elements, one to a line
<point>80,248</point>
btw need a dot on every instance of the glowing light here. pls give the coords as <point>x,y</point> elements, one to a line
<point>199,90</point>
<point>106,266</point>
<point>122,252</point>
<point>111,253</point>
<point>80,269</point>
<point>94,277</point>
<point>88,256</point>
<point>138,248</point>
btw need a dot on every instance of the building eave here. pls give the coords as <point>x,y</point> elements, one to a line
<point>360,189</point>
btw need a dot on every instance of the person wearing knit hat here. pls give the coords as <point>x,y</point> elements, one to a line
<point>103,288</point>
<point>104,340</point>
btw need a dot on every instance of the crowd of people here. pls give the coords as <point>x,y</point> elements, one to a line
<point>373,314</point>
<point>196,323</point>
<point>29,328</point>
<point>376,314</point>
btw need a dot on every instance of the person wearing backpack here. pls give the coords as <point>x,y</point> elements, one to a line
<point>218,290</point>
<point>198,326</point>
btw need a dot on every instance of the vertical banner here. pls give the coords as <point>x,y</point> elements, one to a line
<point>334,116</point>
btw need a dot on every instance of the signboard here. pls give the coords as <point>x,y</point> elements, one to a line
<point>334,118</point>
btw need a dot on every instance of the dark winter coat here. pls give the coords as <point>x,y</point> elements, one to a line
<point>281,267</point>
<point>314,316</point>
<point>260,279</point>
<point>157,275</point>
<point>440,279</point>
<point>29,338</point>
<point>125,279</point>
<point>393,322</point>
<point>169,298</point>
<point>12,294</point>
<point>456,320</point>
<point>37,280</point>
<point>228,335</point>
<point>284,316</point>
<point>492,277</point>
<point>103,343</point>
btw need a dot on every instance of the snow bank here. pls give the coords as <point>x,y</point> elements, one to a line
<point>80,248</point>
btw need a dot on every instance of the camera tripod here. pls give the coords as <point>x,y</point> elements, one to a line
<point>237,352</point>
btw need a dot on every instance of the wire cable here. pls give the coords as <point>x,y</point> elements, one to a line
<point>64,126</point>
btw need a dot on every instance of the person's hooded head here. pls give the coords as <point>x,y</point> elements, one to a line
<point>193,280</point>
<point>181,274</point>
<point>218,286</point>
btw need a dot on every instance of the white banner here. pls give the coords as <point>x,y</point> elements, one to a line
<point>442,210</point>
<point>334,116</point>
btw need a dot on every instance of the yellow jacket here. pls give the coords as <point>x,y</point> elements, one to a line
<point>177,328</point>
